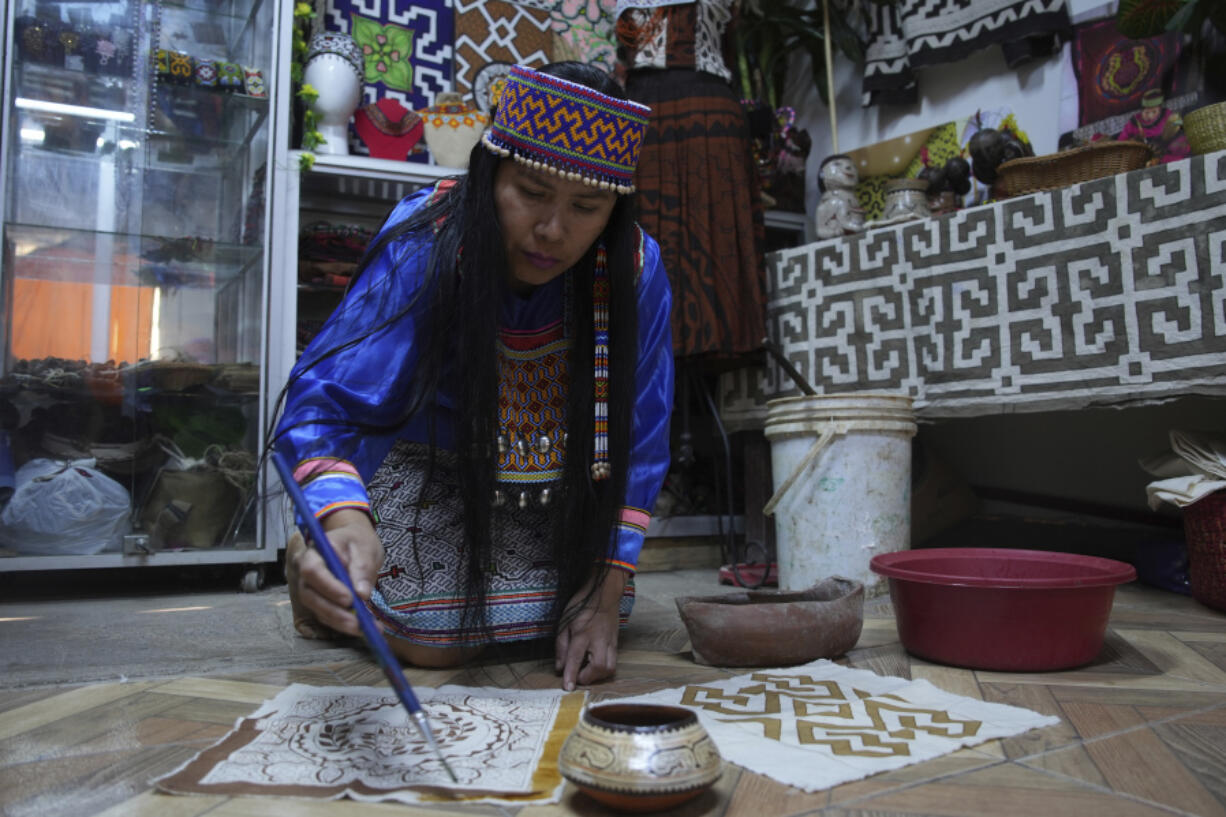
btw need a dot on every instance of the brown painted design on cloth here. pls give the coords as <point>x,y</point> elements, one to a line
<point>848,720</point>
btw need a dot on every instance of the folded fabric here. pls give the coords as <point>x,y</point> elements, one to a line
<point>1182,491</point>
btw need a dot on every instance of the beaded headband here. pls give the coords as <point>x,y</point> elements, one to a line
<point>568,129</point>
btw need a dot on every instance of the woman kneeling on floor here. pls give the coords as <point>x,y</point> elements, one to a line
<point>482,425</point>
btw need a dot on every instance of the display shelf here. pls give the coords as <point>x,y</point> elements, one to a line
<point>90,256</point>
<point>365,167</point>
<point>135,224</point>
<point>785,220</point>
<point>203,28</point>
<point>64,90</point>
<point>250,555</point>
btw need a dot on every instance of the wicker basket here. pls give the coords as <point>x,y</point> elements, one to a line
<point>1204,526</point>
<point>1206,128</point>
<point>1034,174</point>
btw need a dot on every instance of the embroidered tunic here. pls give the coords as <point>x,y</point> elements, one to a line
<point>369,382</point>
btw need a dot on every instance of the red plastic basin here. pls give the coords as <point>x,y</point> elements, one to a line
<point>1002,609</point>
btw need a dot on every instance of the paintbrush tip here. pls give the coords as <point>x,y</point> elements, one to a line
<point>447,766</point>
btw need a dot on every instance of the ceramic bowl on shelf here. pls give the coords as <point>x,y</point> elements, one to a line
<point>640,757</point>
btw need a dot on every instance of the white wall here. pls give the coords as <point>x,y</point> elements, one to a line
<point>946,93</point>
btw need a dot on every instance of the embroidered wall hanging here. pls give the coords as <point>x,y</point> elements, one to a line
<point>489,31</point>
<point>582,29</point>
<point>822,724</point>
<point>911,34</point>
<point>357,742</point>
<point>1113,71</point>
<point>386,29</point>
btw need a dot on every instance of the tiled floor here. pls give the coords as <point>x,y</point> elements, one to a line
<point>1142,730</point>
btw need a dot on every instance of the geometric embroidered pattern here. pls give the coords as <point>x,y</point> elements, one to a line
<point>1110,290</point>
<point>910,34</point>
<point>568,129</point>
<point>497,31</point>
<point>533,380</point>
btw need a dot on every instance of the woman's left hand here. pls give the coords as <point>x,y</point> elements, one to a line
<point>586,649</point>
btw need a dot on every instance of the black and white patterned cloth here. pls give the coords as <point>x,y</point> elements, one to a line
<point>1106,292</point>
<point>911,34</point>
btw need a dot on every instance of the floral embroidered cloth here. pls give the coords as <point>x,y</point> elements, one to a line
<point>358,742</point>
<point>821,724</point>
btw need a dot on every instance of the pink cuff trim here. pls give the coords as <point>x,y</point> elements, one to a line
<point>635,518</point>
<point>307,470</point>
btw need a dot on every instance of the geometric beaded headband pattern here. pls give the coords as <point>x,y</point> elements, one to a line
<point>568,129</point>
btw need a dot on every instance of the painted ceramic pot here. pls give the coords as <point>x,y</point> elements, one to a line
<point>640,757</point>
<point>452,129</point>
<point>905,199</point>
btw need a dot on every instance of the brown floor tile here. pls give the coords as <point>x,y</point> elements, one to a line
<point>1038,699</point>
<point>1149,764</point>
<point>1211,650</point>
<point>283,677</point>
<point>13,698</point>
<point>63,704</point>
<point>1003,790</point>
<point>888,659</point>
<point>84,784</point>
<point>155,804</point>
<point>109,727</point>
<point>756,795</point>
<point>955,763</point>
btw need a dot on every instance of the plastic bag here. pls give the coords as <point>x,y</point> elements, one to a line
<point>61,508</point>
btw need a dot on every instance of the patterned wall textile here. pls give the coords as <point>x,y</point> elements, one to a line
<point>818,725</point>
<point>497,31</point>
<point>1113,71</point>
<point>916,33</point>
<point>583,30</point>
<point>427,27</point>
<point>1105,292</point>
<point>358,742</point>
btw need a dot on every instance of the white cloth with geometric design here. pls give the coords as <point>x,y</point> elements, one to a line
<point>822,724</point>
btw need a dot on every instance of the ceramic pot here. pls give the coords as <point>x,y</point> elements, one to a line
<point>771,628</point>
<point>905,199</point>
<point>452,129</point>
<point>640,757</point>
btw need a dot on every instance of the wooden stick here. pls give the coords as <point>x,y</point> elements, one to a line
<point>834,119</point>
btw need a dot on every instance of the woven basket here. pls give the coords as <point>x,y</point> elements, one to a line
<point>1204,526</point>
<point>1206,128</point>
<point>1034,174</point>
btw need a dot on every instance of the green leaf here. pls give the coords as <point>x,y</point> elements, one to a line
<point>399,75</point>
<point>1138,19</point>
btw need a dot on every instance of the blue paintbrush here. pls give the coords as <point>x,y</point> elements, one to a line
<point>314,532</point>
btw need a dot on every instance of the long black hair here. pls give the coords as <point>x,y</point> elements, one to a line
<point>466,280</point>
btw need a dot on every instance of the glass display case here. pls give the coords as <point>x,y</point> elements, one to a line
<point>135,146</point>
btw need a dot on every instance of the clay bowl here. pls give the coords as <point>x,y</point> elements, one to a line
<point>771,628</point>
<point>640,757</point>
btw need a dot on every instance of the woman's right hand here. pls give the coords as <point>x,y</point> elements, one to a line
<point>353,537</point>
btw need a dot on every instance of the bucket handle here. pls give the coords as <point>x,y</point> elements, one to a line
<point>822,441</point>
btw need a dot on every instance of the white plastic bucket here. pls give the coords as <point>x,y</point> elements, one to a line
<point>841,465</point>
